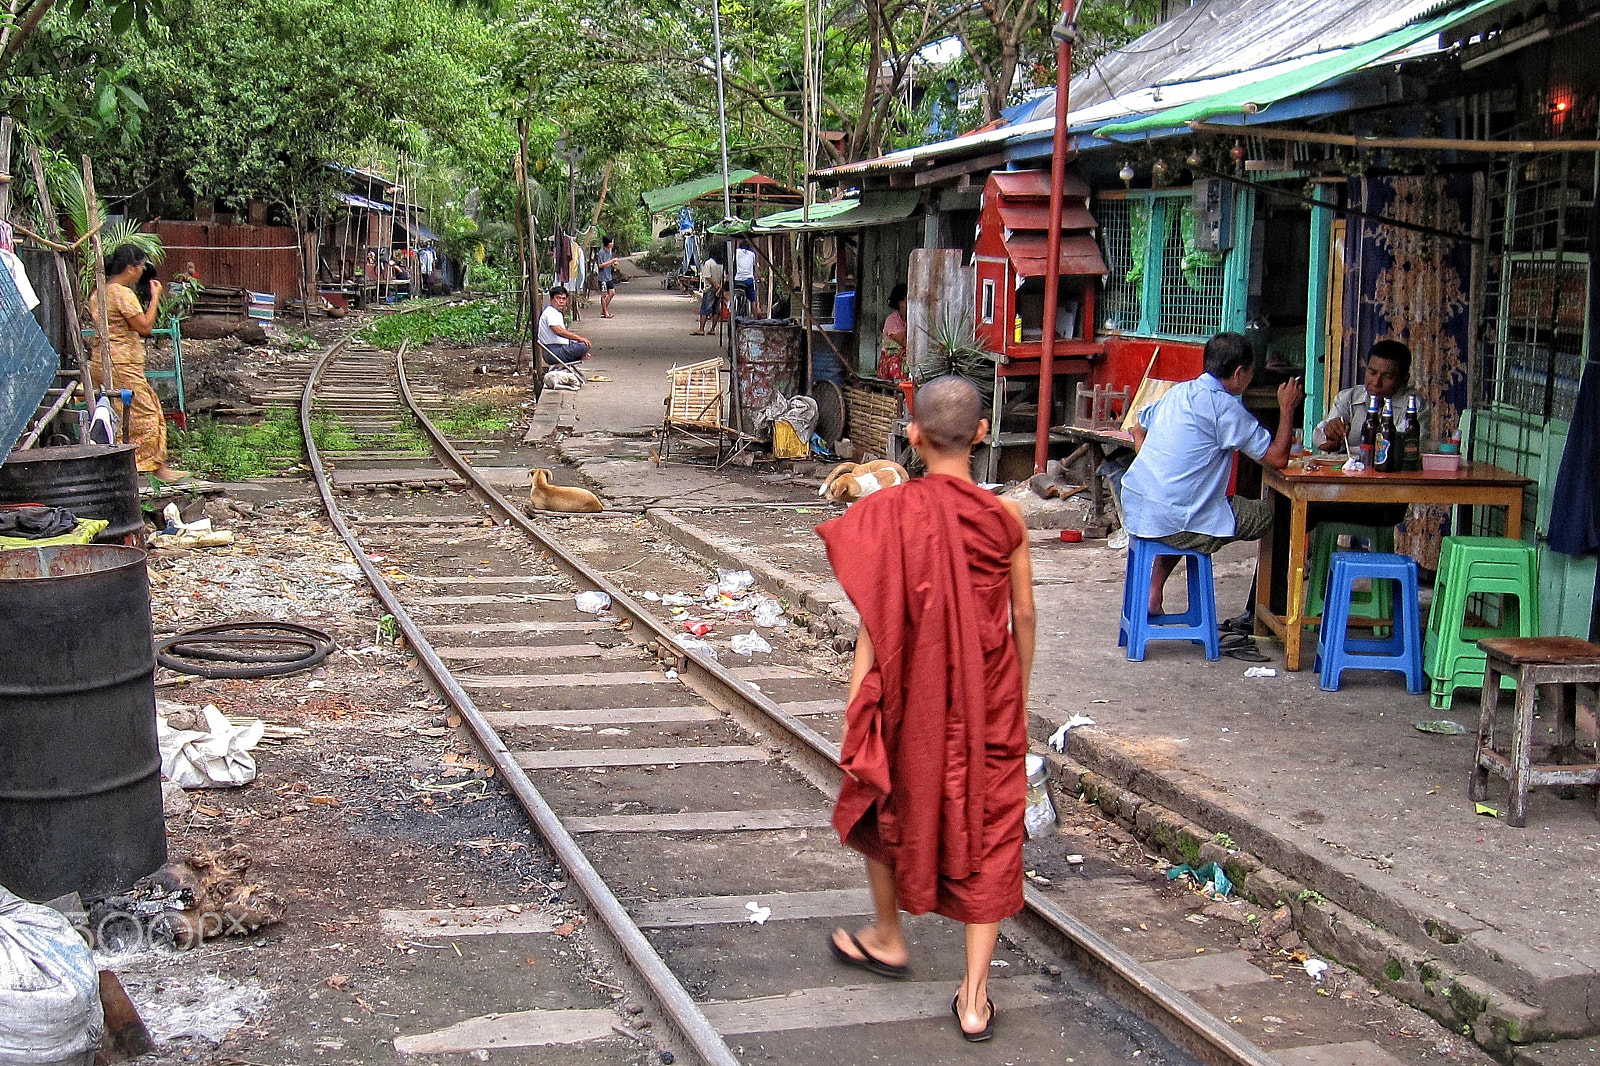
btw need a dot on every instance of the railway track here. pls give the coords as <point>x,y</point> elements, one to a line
<point>681,795</point>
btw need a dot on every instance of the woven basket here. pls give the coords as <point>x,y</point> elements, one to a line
<point>872,414</point>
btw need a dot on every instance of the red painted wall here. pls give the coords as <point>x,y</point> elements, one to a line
<point>1125,360</point>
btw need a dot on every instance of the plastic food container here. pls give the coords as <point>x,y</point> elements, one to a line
<point>1072,536</point>
<point>1440,463</point>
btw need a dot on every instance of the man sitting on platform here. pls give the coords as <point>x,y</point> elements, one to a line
<point>563,345</point>
<point>1176,490</point>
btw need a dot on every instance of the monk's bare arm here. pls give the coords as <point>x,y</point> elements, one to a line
<point>864,661</point>
<point>1024,619</point>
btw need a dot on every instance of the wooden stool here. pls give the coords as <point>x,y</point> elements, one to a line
<point>1560,664</point>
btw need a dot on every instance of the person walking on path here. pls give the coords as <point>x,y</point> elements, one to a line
<point>127,325</point>
<point>1176,491</point>
<point>606,264</point>
<point>935,733</point>
<point>712,277</point>
<point>563,345</point>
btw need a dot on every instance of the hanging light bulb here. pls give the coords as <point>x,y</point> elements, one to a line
<point>1194,158</point>
<point>1237,152</point>
<point>1126,173</point>
<point>1158,171</point>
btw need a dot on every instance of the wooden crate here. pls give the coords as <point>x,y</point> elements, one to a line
<point>871,415</point>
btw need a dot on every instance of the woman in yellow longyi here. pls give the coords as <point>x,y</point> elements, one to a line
<point>128,325</point>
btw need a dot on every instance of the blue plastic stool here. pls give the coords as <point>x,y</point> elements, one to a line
<point>1401,651</point>
<point>1198,623</point>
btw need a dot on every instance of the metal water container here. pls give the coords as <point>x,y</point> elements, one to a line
<point>80,772</point>
<point>90,480</point>
<point>768,364</point>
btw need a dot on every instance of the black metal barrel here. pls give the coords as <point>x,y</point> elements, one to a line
<point>80,772</point>
<point>90,480</point>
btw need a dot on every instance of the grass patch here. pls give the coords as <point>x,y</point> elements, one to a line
<point>474,322</point>
<point>474,417</point>
<point>224,452</point>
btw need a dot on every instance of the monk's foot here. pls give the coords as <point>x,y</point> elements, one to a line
<point>872,947</point>
<point>975,1016</point>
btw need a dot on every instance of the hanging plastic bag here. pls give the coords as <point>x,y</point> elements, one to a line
<point>49,988</point>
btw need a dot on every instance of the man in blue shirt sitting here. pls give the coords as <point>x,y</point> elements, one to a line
<point>1176,490</point>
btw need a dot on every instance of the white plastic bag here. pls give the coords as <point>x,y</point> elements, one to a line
<point>769,613</point>
<point>688,643</point>
<point>49,988</point>
<point>217,758</point>
<point>591,602</point>
<point>732,581</point>
<point>747,644</point>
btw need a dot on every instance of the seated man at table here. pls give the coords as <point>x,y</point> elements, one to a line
<point>1387,376</point>
<point>1176,490</point>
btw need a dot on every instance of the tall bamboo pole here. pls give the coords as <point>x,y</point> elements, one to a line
<point>69,294</point>
<point>97,262</point>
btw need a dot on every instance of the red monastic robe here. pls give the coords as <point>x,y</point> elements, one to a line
<point>934,740</point>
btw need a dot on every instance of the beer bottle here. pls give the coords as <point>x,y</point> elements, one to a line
<point>1411,437</point>
<point>1369,435</point>
<point>1386,453</point>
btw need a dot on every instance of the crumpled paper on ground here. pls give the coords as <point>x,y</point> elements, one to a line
<point>1058,739</point>
<point>217,758</point>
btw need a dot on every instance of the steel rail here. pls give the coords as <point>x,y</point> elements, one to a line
<point>1127,980</point>
<point>681,1011</point>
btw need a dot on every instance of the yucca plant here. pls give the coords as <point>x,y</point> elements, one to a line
<point>954,348</point>
<point>68,191</point>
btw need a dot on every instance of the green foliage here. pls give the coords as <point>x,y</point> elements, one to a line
<point>476,322</point>
<point>469,418</point>
<point>486,277</point>
<point>662,259</point>
<point>1222,840</point>
<point>231,453</point>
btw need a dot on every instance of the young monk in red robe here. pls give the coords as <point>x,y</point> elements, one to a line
<point>936,728</point>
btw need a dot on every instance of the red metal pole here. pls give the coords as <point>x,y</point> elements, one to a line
<point>1052,270</point>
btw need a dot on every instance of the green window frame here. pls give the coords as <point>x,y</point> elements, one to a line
<point>1158,284</point>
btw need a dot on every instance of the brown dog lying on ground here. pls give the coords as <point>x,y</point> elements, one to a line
<point>545,495</point>
<point>851,481</point>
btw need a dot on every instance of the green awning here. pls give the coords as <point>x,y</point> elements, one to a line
<point>657,200</point>
<point>835,215</point>
<point>1257,96</point>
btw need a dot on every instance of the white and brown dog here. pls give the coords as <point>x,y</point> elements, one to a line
<point>851,481</point>
<point>545,495</point>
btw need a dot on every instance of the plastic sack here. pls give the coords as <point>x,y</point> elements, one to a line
<point>732,581</point>
<point>748,644</point>
<point>591,602</point>
<point>49,988</point>
<point>688,643</point>
<point>217,758</point>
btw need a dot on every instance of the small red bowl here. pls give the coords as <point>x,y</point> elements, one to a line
<point>1072,536</point>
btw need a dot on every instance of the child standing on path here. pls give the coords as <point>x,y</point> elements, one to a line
<point>936,729</point>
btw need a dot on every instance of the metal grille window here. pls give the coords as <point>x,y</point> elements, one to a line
<point>1191,281</point>
<point>1119,307</point>
<point>1158,283</point>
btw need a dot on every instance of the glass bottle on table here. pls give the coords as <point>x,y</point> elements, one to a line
<point>1369,435</point>
<point>1386,457</point>
<point>1411,438</point>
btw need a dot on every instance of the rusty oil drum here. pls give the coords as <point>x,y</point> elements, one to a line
<point>80,772</point>
<point>90,480</point>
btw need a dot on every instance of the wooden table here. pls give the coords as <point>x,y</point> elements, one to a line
<point>1098,442</point>
<point>1477,484</point>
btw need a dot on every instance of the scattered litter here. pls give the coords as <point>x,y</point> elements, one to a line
<point>675,599</point>
<point>672,675</point>
<point>1261,671</point>
<point>697,629</point>
<point>998,964</point>
<point>758,914</point>
<point>688,643</point>
<point>217,756</point>
<point>748,644</point>
<point>1315,968</point>
<point>1075,860</point>
<point>1211,880</point>
<point>1485,810</point>
<point>1058,739</point>
<point>1036,878</point>
<point>734,581</point>
<point>769,613</point>
<point>591,602</point>
<point>1443,726</point>
<point>1039,817</point>
<point>653,597</point>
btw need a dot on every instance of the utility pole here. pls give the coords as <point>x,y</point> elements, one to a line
<point>1065,31</point>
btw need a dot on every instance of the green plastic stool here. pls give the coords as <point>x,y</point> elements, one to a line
<point>1469,566</point>
<point>1376,603</point>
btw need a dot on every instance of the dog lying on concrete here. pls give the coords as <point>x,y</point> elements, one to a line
<point>545,495</point>
<point>851,481</point>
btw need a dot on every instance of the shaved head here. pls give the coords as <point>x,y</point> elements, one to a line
<point>948,410</point>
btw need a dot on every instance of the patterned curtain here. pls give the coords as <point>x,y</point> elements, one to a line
<point>1414,287</point>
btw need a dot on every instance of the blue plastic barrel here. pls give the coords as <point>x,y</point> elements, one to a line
<point>844,312</point>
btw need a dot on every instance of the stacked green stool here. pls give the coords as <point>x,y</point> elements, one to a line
<point>1469,566</point>
<point>1375,603</point>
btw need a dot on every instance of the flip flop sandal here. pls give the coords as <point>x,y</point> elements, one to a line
<point>1246,653</point>
<point>986,1033</point>
<point>1234,640</point>
<point>867,961</point>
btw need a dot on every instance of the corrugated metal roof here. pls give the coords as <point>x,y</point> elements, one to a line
<point>657,200</point>
<point>1219,37</point>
